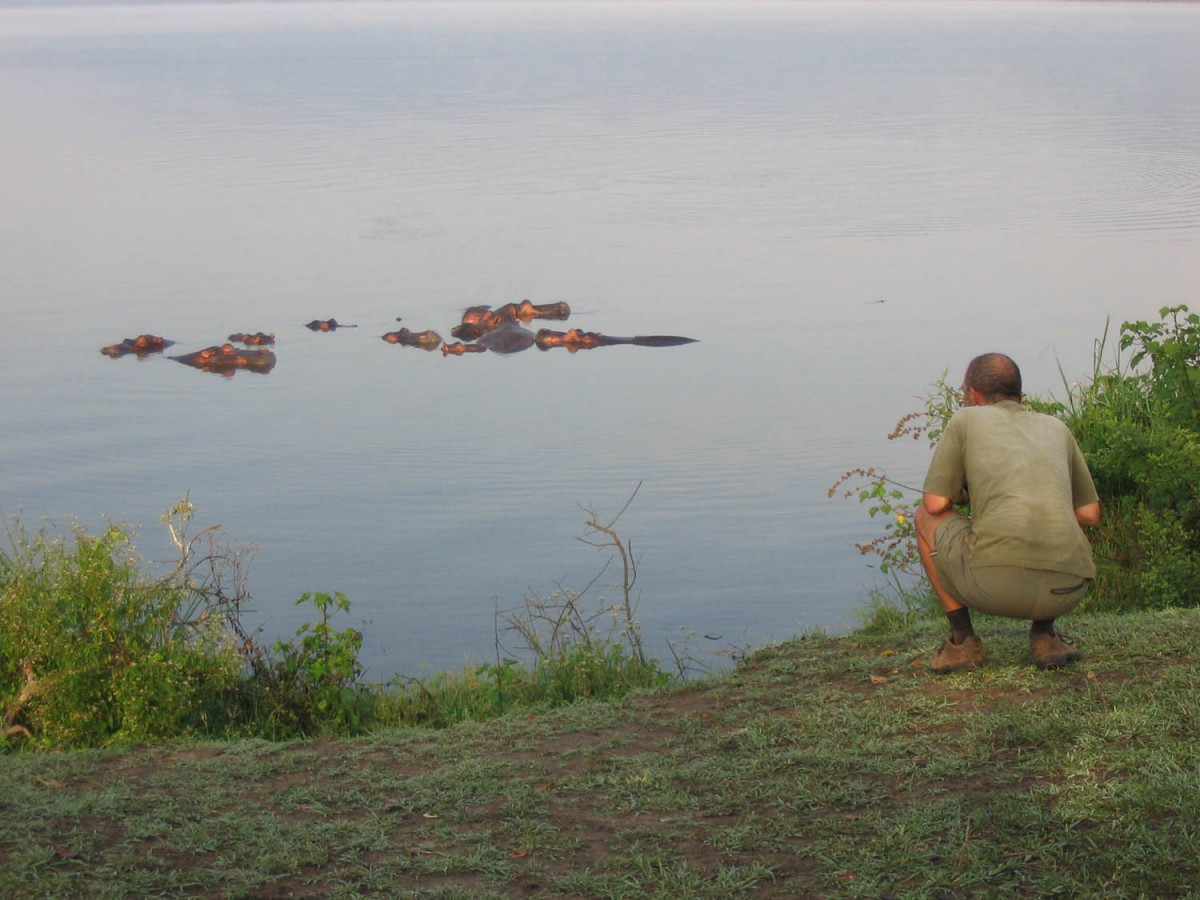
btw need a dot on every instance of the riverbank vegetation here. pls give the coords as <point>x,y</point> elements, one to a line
<point>95,650</point>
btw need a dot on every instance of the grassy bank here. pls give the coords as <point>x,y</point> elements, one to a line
<point>824,766</point>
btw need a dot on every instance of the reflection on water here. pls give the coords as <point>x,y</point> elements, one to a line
<point>838,200</point>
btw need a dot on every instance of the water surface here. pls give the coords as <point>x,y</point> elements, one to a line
<point>839,200</point>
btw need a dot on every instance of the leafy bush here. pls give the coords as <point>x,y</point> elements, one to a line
<point>1138,424</point>
<point>1172,347</point>
<point>91,651</point>
<point>312,683</point>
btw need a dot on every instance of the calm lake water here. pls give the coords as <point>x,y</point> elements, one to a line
<point>839,200</point>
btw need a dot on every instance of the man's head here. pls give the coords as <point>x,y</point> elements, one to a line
<point>991,378</point>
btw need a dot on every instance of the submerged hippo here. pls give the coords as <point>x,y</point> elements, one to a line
<point>574,340</point>
<point>142,345</point>
<point>458,348</point>
<point>479,320</point>
<point>525,310</point>
<point>326,325</point>
<point>227,359</point>
<point>426,340</point>
<point>508,338</point>
<point>257,339</point>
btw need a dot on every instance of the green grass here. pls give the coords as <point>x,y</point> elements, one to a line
<point>825,766</point>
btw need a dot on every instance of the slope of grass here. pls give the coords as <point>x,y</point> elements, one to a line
<point>825,766</point>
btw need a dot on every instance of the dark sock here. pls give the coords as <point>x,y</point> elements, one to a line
<point>1041,626</point>
<point>960,625</point>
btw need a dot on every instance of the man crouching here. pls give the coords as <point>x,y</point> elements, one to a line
<point>1022,553</point>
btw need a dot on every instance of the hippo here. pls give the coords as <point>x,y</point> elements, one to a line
<point>474,314</point>
<point>468,331</point>
<point>458,348</point>
<point>479,320</point>
<point>142,345</point>
<point>257,339</point>
<point>326,325</point>
<point>574,340</point>
<point>525,310</point>
<point>426,340</point>
<point>508,338</point>
<point>227,359</point>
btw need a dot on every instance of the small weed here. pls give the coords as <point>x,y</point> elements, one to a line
<point>311,683</point>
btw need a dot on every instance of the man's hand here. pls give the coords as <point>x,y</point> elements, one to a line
<point>1089,514</point>
<point>936,504</point>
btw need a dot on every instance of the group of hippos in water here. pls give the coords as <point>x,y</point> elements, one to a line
<point>482,328</point>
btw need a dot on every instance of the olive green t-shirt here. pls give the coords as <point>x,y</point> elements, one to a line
<point>1026,476</point>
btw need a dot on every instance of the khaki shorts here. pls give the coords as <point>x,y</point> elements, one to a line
<point>1011,591</point>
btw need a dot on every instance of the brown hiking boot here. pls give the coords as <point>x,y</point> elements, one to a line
<point>958,657</point>
<point>1050,651</point>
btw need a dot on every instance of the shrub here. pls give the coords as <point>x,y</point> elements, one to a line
<point>311,684</point>
<point>1172,347</point>
<point>91,651</point>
